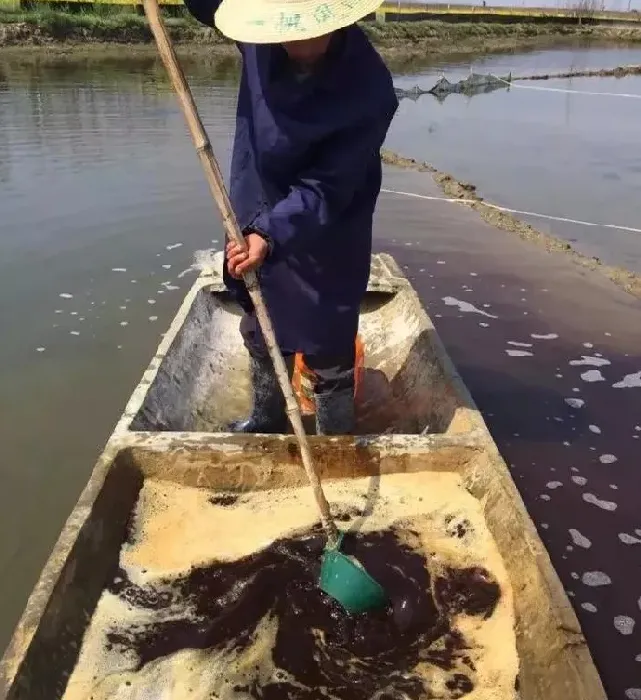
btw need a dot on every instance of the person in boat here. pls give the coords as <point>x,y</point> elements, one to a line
<point>314,106</point>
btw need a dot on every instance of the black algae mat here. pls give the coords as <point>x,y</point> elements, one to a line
<point>318,645</point>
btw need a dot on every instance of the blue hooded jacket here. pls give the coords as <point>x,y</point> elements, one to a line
<point>306,172</point>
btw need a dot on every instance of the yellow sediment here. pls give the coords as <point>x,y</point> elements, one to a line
<point>178,528</point>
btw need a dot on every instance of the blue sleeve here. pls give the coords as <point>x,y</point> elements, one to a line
<point>203,10</point>
<point>324,190</point>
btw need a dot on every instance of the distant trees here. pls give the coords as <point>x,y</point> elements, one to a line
<point>584,9</point>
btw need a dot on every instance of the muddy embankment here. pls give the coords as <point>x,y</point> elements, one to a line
<point>452,188</point>
<point>617,72</point>
<point>63,31</point>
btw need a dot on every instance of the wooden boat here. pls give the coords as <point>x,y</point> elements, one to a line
<point>168,431</point>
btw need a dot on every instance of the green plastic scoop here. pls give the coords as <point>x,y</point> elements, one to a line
<point>344,579</point>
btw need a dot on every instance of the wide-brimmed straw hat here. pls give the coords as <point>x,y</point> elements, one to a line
<point>276,21</point>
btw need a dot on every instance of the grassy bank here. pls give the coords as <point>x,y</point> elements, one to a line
<point>51,29</point>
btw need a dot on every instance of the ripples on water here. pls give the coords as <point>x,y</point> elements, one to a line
<point>103,202</point>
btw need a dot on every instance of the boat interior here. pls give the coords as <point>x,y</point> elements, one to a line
<point>201,382</point>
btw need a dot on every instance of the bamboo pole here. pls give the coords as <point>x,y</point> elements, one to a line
<point>232,230</point>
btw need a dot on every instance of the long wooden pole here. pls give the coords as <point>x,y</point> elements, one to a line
<point>232,230</point>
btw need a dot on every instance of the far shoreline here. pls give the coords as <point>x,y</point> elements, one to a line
<point>52,33</point>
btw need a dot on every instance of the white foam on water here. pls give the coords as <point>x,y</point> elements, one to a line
<point>41,349</point>
<point>124,323</point>
<point>589,607</point>
<point>594,429</point>
<point>604,505</point>
<point>630,381</point>
<point>590,360</point>
<point>624,624</point>
<point>545,526</point>
<point>153,318</point>
<point>544,336</point>
<point>575,403</point>
<point>171,287</point>
<point>65,295</point>
<point>544,497</point>
<point>74,332</point>
<point>484,325</point>
<point>173,246</point>
<point>628,539</point>
<point>151,301</point>
<point>592,375</point>
<point>59,311</point>
<point>633,694</point>
<point>440,262</point>
<point>119,269</point>
<point>519,345</point>
<point>519,353</point>
<point>595,578</point>
<point>614,487</point>
<point>559,376</point>
<point>167,267</point>
<point>608,459</point>
<point>122,308</point>
<point>554,484</point>
<point>579,539</point>
<point>473,274</point>
<point>465,307</point>
<point>588,345</point>
<point>579,480</point>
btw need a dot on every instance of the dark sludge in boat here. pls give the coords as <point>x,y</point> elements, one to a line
<point>353,657</point>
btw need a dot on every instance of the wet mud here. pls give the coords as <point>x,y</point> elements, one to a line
<point>617,72</point>
<point>318,645</point>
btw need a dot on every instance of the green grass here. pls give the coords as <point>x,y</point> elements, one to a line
<point>101,23</point>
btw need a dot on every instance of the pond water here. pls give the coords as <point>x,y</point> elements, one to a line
<point>103,203</point>
<point>545,147</point>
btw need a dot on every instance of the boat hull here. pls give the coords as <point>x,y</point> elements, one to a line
<point>416,415</point>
